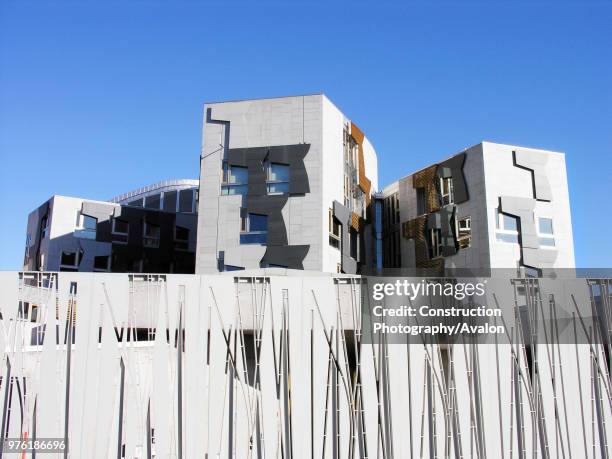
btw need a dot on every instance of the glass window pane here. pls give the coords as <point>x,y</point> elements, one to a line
<point>153,201</point>
<point>546,226</point>
<point>120,226</point>
<point>89,222</point>
<point>547,241</point>
<point>510,223</point>
<point>278,187</point>
<point>239,175</point>
<point>170,201</point>
<point>151,230</point>
<point>185,200</point>
<point>502,237</point>
<point>279,172</point>
<point>258,222</point>
<point>253,238</point>
<point>136,203</point>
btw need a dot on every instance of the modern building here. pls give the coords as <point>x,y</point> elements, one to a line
<point>284,182</point>
<point>490,206</point>
<point>152,229</point>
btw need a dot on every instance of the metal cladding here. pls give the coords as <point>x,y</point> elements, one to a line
<point>275,366</point>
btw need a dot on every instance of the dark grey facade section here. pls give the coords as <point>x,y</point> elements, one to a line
<point>523,209</point>
<point>453,167</point>
<point>32,256</point>
<point>343,215</point>
<point>258,201</point>
<point>444,220</point>
<point>254,159</point>
<point>536,164</point>
<point>291,256</point>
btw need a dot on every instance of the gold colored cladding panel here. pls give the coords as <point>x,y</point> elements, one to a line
<point>356,221</point>
<point>415,229</point>
<point>426,179</point>
<point>364,183</point>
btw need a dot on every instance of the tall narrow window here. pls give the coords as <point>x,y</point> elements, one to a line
<point>420,195</point>
<point>44,227</point>
<point>254,229</point>
<point>86,226</point>
<point>464,232</point>
<point>235,179</point>
<point>435,243</point>
<point>546,235</point>
<point>446,190</point>
<point>334,230</point>
<point>185,201</point>
<point>277,178</point>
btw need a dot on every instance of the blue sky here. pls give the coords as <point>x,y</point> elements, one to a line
<point>100,97</point>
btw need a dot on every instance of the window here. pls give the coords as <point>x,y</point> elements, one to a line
<point>235,179</point>
<point>253,229</point>
<point>119,232</point>
<point>70,260</point>
<point>153,201</point>
<point>446,190</point>
<point>44,227</point>
<point>85,226</point>
<point>135,203</point>
<point>277,178</point>
<point>102,263</point>
<point>170,201</point>
<point>435,243</point>
<point>186,201</point>
<point>151,235</point>
<point>181,238</point>
<point>464,232</point>
<point>420,194</point>
<point>506,228</point>
<point>334,231</point>
<point>545,232</point>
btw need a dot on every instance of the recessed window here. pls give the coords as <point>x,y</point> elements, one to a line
<point>44,227</point>
<point>102,263</point>
<point>546,235</point>
<point>119,231</point>
<point>235,180</point>
<point>153,201</point>
<point>70,260</point>
<point>446,190</point>
<point>186,201</point>
<point>151,235</point>
<point>464,232</point>
<point>334,231</point>
<point>181,238</point>
<point>277,178</point>
<point>435,243</point>
<point>506,228</point>
<point>85,226</point>
<point>254,229</point>
<point>135,203</point>
<point>420,195</point>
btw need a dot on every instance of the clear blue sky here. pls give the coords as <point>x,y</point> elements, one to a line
<point>100,97</point>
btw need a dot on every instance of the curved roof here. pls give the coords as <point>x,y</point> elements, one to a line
<point>165,185</point>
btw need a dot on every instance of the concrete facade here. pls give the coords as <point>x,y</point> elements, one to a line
<point>154,232</point>
<point>310,126</point>
<point>513,196</point>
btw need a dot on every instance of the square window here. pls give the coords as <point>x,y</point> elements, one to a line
<point>254,229</point>
<point>545,225</point>
<point>69,258</point>
<point>102,263</point>
<point>153,201</point>
<point>86,226</point>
